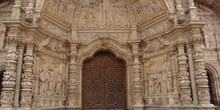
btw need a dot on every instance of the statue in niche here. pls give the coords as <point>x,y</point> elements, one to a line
<point>164,81</point>
<point>159,79</point>
<point>170,81</point>
<point>44,81</point>
<point>59,83</point>
<point>151,83</point>
<point>51,80</point>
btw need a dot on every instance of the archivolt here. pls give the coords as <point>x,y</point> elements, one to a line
<point>212,69</point>
<point>97,46</point>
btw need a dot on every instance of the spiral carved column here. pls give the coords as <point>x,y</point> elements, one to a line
<point>27,76</point>
<point>8,91</point>
<point>200,72</point>
<point>184,82</point>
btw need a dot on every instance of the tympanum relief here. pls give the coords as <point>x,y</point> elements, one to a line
<point>104,13</point>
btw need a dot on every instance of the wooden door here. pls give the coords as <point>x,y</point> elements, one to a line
<point>104,83</point>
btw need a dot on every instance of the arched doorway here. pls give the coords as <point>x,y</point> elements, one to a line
<point>1,80</point>
<point>104,82</point>
<point>211,87</point>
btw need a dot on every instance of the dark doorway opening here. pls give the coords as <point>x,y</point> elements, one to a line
<point>104,83</point>
<point>210,87</point>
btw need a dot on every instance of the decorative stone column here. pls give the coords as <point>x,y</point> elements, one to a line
<point>8,91</point>
<point>180,13</point>
<point>192,10</point>
<point>200,72</point>
<point>29,12</point>
<point>189,50</point>
<point>138,100</point>
<point>19,71</point>
<point>184,82</point>
<point>16,10</point>
<point>72,81</point>
<point>27,76</point>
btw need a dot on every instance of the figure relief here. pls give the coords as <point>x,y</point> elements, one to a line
<point>62,8</point>
<point>147,8</point>
<point>49,89</point>
<point>160,80</point>
<point>108,14</point>
<point>158,44</point>
<point>53,46</point>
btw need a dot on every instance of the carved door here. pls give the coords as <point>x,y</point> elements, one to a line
<point>104,83</point>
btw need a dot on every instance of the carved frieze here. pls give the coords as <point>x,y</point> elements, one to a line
<point>86,37</point>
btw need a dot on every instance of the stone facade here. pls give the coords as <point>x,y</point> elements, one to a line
<point>168,47</point>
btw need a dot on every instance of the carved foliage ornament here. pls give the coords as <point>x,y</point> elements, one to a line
<point>7,97</point>
<point>26,97</point>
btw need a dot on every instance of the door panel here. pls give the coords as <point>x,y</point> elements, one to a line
<point>104,83</point>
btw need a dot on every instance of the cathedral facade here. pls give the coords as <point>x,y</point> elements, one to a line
<point>110,54</point>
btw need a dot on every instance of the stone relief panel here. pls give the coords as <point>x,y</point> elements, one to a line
<point>146,8</point>
<point>48,91</point>
<point>156,29</point>
<point>53,29</point>
<point>104,13</point>
<point>161,80</point>
<point>122,37</point>
<point>211,29</point>
<point>64,9</point>
<point>158,45</point>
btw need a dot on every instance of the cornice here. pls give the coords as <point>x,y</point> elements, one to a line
<point>18,23</point>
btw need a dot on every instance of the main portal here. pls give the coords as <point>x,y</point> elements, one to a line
<point>104,83</point>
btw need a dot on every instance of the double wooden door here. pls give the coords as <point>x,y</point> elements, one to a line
<point>104,83</point>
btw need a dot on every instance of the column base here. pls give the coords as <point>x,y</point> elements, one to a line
<point>138,107</point>
<point>177,107</point>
